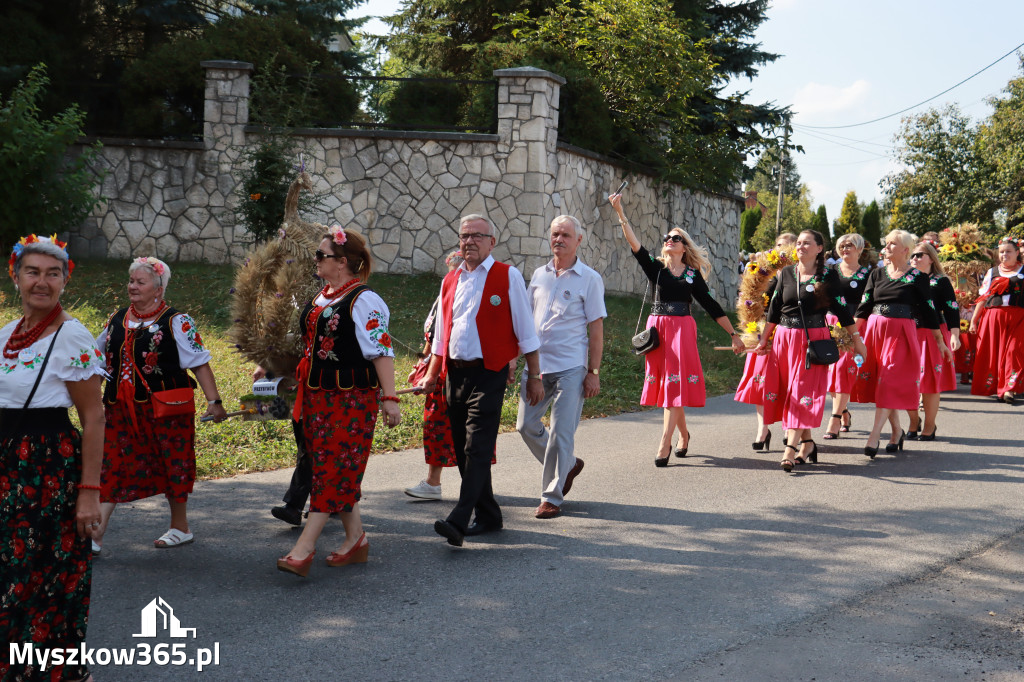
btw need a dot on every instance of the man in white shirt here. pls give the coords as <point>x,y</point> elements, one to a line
<point>484,322</point>
<point>567,298</point>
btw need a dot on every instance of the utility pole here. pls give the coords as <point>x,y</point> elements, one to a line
<point>782,179</point>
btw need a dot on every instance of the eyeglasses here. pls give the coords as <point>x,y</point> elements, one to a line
<point>847,245</point>
<point>319,256</point>
<point>917,255</point>
<point>472,236</point>
<point>677,238</point>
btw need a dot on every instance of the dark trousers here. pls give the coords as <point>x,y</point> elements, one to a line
<point>474,398</point>
<point>302,477</point>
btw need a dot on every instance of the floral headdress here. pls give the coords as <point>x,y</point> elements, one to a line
<point>158,265</point>
<point>453,259</point>
<point>1016,241</point>
<point>34,239</point>
<point>338,235</point>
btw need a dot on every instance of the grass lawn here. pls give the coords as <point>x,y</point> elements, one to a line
<point>98,288</point>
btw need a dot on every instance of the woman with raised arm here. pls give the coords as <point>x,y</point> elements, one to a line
<point>795,389</point>
<point>895,295</point>
<point>673,377</point>
<point>999,322</point>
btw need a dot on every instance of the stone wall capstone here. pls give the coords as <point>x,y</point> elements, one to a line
<point>405,190</point>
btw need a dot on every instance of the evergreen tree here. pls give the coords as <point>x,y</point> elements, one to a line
<point>871,222</point>
<point>820,223</point>
<point>765,177</point>
<point>849,217</point>
<point>749,221</point>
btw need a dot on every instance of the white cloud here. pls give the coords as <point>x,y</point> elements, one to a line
<point>816,99</point>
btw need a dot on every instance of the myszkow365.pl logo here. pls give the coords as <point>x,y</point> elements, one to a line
<point>157,618</point>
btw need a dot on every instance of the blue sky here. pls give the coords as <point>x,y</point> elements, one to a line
<point>848,62</point>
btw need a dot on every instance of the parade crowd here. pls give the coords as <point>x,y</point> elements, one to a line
<point>133,386</point>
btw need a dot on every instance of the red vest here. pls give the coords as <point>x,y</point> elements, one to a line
<point>493,320</point>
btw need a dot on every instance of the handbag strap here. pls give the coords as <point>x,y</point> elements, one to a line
<point>42,369</point>
<point>642,303</point>
<point>800,306</point>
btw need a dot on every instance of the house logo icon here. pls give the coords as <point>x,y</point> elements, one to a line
<point>158,616</point>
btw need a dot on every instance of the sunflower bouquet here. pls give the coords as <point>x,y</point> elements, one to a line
<point>965,259</point>
<point>753,298</point>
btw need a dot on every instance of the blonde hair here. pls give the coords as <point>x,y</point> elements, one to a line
<point>906,239</point>
<point>856,239</point>
<point>695,256</point>
<point>934,255</point>
<point>788,237</point>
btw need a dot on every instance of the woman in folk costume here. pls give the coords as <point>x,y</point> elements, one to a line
<point>999,362</point>
<point>348,365</point>
<point>150,347</point>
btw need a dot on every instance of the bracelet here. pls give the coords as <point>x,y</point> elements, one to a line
<point>218,401</point>
<point>538,377</point>
<point>733,334</point>
<point>83,486</point>
<point>393,398</point>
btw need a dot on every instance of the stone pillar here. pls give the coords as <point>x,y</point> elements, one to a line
<point>528,139</point>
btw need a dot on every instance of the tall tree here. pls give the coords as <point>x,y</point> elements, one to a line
<point>945,180</point>
<point>765,177</point>
<point>820,223</point>
<point>1001,145</point>
<point>871,224</point>
<point>849,215</point>
<point>749,221</point>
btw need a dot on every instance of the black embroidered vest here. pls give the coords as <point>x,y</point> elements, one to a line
<point>1015,289</point>
<point>336,360</point>
<point>155,354</point>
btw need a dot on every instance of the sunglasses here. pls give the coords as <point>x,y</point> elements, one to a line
<point>917,255</point>
<point>677,238</point>
<point>319,256</point>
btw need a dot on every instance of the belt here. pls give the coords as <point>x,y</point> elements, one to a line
<point>899,310</point>
<point>34,421</point>
<point>815,320</point>
<point>671,308</point>
<point>465,364</point>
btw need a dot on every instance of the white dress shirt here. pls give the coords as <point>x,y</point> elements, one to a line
<point>469,289</point>
<point>563,306</point>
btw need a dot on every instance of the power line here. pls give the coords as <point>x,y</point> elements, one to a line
<point>848,139</point>
<point>903,111</point>
<point>848,146</point>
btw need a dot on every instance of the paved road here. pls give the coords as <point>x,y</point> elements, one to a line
<point>720,567</point>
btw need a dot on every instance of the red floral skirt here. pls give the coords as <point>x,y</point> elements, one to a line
<point>999,362</point>
<point>673,374</point>
<point>751,388</point>
<point>47,567</point>
<point>891,375</point>
<point>438,449</point>
<point>793,393</point>
<point>842,374</point>
<point>937,373</point>
<point>964,355</point>
<point>337,427</point>
<point>158,459</point>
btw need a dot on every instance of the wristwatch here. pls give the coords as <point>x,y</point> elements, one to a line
<point>539,377</point>
<point>593,371</point>
<point>218,401</point>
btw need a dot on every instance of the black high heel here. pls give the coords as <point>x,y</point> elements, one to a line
<point>930,436</point>
<point>870,451</point>
<point>681,452</point>
<point>896,447</point>
<point>845,428</point>
<point>812,456</point>
<point>832,436</point>
<point>763,445</point>
<point>788,464</point>
<point>913,433</point>
<point>661,461</point>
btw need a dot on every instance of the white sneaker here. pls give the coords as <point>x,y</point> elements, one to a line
<point>424,491</point>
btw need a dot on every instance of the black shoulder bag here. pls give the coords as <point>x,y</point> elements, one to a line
<point>647,340</point>
<point>824,352</point>
<point>42,368</point>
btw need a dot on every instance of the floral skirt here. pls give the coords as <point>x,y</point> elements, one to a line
<point>964,355</point>
<point>842,374</point>
<point>999,362</point>
<point>891,374</point>
<point>937,373</point>
<point>794,394</point>
<point>438,448</point>
<point>157,459</point>
<point>47,567</point>
<point>673,375</point>
<point>751,388</point>
<point>337,427</point>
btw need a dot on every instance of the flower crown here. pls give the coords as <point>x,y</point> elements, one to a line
<point>156,264</point>
<point>34,239</point>
<point>453,259</point>
<point>1016,241</point>
<point>338,235</point>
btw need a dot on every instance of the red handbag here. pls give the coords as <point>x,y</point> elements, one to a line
<point>173,402</point>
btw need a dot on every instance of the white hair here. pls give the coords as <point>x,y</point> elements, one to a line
<point>476,216</point>
<point>149,264</point>
<point>570,219</point>
<point>44,247</point>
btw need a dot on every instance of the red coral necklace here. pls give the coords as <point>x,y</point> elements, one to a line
<point>139,316</point>
<point>327,293</point>
<point>20,340</point>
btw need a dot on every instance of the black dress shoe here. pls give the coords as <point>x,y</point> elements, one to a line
<point>449,532</point>
<point>477,528</point>
<point>288,515</point>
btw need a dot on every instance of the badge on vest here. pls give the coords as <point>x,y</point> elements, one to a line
<point>26,355</point>
<point>495,300</point>
<point>153,328</point>
<point>853,285</point>
<point>328,311</point>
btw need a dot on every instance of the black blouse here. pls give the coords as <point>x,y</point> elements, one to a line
<point>788,292</point>
<point>688,286</point>
<point>944,300</point>
<point>911,289</point>
<point>851,289</point>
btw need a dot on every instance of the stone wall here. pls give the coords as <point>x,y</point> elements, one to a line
<point>405,191</point>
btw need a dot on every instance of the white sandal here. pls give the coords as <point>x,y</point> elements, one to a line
<point>173,538</point>
<point>96,548</point>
